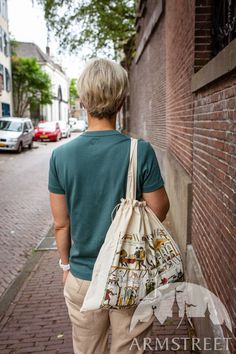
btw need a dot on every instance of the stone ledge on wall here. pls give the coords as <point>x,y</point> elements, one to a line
<point>221,64</point>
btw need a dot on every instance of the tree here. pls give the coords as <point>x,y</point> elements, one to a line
<point>73,92</point>
<point>31,85</point>
<point>100,25</point>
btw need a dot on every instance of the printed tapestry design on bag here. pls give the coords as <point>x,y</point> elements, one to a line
<point>141,264</point>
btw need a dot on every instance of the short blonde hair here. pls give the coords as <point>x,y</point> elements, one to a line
<point>103,86</point>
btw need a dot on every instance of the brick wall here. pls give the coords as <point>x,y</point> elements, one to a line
<point>160,90</point>
<point>147,89</point>
<point>196,129</point>
<point>203,26</point>
<point>214,194</point>
<point>179,69</point>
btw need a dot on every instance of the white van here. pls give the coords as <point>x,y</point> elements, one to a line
<point>78,125</point>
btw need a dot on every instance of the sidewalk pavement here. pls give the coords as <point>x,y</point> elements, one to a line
<point>37,321</point>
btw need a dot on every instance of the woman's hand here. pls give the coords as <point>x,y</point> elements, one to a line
<point>65,275</point>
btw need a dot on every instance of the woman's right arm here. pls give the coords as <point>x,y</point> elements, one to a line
<point>158,201</point>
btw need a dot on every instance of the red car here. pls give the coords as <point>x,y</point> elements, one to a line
<point>47,131</point>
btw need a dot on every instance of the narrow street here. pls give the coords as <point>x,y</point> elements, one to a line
<point>36,320</point>
<point>25,209</point>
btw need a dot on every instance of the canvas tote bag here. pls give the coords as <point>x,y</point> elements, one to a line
<point>137,256</point>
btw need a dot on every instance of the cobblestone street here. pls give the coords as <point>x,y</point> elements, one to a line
<point>25,210</point>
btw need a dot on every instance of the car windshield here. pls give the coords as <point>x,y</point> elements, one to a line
<point>48,126</point>
<point>11,126</point>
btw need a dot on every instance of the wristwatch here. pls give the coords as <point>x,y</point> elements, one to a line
<point>64,267</point>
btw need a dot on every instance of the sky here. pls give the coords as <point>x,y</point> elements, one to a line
<point>27,24</point>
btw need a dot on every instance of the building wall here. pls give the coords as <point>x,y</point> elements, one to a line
<point>179,23</point>
<point>188,100</point>
<point>214,202</point>
<point>147,89</point>
<point>59,80</point>
<point>161,103</point>
<point>78,111</point>
<point>5,60</point>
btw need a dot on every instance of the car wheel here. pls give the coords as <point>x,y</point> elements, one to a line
<point>31,144</point>
<point>19,148</point>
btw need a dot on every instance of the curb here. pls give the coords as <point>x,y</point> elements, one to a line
<point>10,294</point>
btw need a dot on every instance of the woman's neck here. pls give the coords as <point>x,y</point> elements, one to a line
<point>101,124</point>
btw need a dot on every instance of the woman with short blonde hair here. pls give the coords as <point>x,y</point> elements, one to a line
<point>103,87</point>
<point>87,179</point>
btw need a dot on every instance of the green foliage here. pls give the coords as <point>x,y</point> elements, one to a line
<point>31,85</point>
<point>73,92</point>
<point>99,24</point>
<point>13,45</point>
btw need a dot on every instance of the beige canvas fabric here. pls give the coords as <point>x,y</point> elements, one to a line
<point>137,256</point>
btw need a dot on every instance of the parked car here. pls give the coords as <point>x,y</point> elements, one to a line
<point>77,125</point>
<point>81,125</point>
<point>47,131</point>
<point>16,133</point>
<point>65,129</point>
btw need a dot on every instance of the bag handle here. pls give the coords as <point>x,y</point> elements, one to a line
<point>132,170</point>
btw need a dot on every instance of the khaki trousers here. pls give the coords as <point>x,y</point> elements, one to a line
<point>90,329</point>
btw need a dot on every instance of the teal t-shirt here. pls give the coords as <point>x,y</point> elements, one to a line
<point>91,170</point>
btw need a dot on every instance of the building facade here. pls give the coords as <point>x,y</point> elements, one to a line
<point>5,63</point>
<point>183,100</point>
<point>59,109</point>
<point>78,111</point>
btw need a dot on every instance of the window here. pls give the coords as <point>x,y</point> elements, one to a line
<point>29,125</point>
<point>6,12</point>
<point>5,44</point>
<point>25,127</point>
<point>4,8</point>
<point>224,24</point>
<point>1,39</point>
<point>2,77</point>
<point>50,126</point>
<point>5,110</point>
<point>7,80</point>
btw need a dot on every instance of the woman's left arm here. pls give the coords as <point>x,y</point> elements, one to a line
<point>61,226</point>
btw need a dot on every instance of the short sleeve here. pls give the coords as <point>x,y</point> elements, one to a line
<point>54,184</point>
<point>152,178</point>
